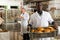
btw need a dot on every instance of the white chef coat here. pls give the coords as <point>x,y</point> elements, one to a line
<point>43,21</point>
<point>24,21</point>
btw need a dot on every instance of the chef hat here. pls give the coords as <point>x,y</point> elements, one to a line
<point>24,7</point>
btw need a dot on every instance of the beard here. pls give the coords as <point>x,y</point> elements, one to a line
<point>39,12</point>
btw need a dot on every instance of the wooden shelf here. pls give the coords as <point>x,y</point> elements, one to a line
<point>32,1</point>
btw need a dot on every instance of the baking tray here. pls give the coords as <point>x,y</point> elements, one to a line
<point>43,35</point>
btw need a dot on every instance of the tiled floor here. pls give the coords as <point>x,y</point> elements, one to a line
<point>57,38</point>
<point>18,36</point>
<point>15,36</point>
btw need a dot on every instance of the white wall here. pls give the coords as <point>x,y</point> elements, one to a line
<point>9,3</point>
<point>54,3</point>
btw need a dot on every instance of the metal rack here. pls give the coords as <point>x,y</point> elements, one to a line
<point>9,16</point>
<point>11,23</point>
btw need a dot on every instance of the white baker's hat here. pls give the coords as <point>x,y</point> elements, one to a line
<point>25,7</point>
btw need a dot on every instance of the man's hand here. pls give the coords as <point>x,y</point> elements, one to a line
<point>29,27</point>
<point>21,17</point>
<point>55,25</point>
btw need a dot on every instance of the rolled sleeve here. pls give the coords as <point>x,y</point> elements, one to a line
<point>50,19</point>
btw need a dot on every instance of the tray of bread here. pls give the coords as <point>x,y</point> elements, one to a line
<point>3,30</point>
<point>43,32</point>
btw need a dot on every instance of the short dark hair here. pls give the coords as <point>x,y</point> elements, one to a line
<point>39,4</point>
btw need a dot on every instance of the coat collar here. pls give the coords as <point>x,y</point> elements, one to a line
<point>38,16</point>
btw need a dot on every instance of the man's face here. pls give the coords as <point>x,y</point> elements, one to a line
<point>39,7</point>
<point>22,10</point>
